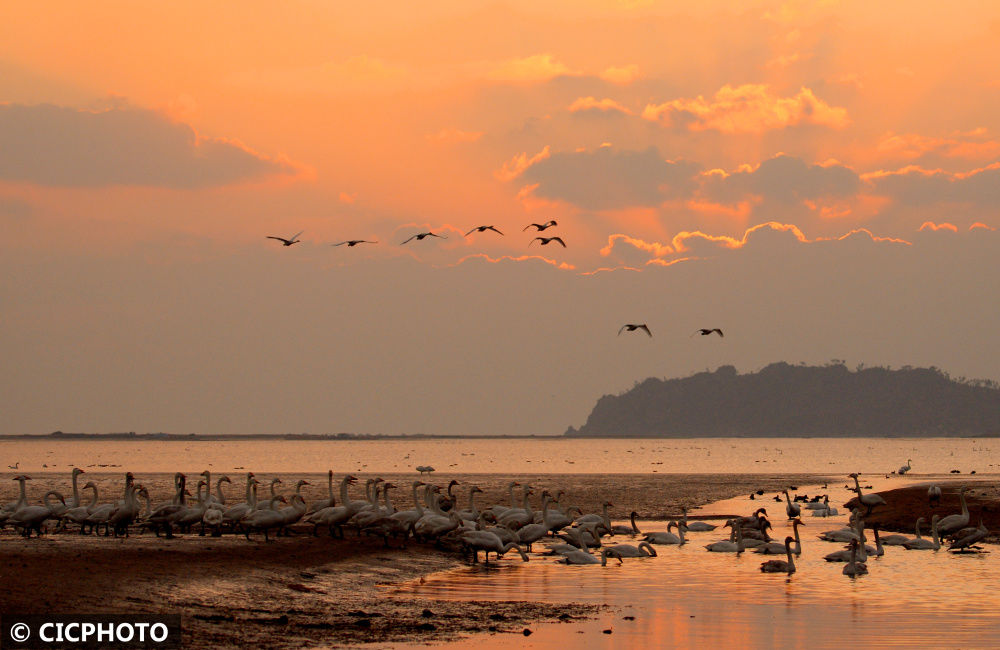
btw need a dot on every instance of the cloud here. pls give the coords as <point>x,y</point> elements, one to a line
<point>591,104</point>
<point>609,178</point>
<point>930,225</point>
<point>60,146</point>
<point>633,250</point>
<point>516,165</point>
<point>783,178</point>
<point>915,186</point>
<point>973,145</point>
<point>749,108</point>
<point>509,259</point>
<point>691,245</point>
<point>621,75</point>
<point>538,67</point>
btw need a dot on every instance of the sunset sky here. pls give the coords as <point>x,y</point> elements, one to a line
<point>820,179</point>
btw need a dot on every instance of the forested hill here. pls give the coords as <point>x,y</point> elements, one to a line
<point>784,400</point>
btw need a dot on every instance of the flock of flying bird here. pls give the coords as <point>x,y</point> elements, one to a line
<point>436,516</point>
<point>539,227</point>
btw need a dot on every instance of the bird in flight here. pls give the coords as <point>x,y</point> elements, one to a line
<point>705,332</point>
<point>541,226</point>
<point>420,236</point>
<point>354,242</point>
<point>287,242</point>
<point>546,240</point>
<point>481,229</point>
<point>631,327</point>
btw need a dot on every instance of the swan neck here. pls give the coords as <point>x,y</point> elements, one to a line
<point>76,491</point>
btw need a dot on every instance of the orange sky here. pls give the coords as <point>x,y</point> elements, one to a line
<point>146,150</point>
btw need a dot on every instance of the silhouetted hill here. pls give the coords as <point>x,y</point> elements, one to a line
<point>787,400</point>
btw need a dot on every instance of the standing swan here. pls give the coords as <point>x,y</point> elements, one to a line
<point>792,509</point>
<point>933,495</point>
<point>954,523</point>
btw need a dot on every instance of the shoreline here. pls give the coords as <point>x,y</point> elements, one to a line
<point>303,590</point>
<point>232,591</point>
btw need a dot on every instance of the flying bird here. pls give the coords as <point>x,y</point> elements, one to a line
<point>420,236</point>
<point>354,242</point>
<point>631,327</point>
<point>541,226</point>
<point>482,228</point>
<point>546,240</point>
<point>705,332</point>
<point>287,242</point>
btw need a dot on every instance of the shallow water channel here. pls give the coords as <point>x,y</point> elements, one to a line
<point>689,596</point>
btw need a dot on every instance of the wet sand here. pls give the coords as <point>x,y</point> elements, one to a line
<point>303,590</point>
<point>906,504</point>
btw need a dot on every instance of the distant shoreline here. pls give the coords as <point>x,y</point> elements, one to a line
<point>243,437</point>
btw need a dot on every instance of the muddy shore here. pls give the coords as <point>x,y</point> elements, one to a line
<point>303,590</point>
<point>906,504</point>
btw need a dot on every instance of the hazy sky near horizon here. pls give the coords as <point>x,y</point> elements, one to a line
<point>821,180</point>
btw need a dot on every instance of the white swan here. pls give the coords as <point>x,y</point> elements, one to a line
<point>727,546</point>
<point>777,548</point>
<point>124,515</point>
<point>923,544</point>
<point>905,468</point>
<point>792,509</point>
<point>781,566</point>
<point>78,514</point>
<point>855,567</point>
<point>602,518</point>
<point>471,513</point>
<point>329,502</point>
<point>933,495</point>
<point>517,517</point>
<point>860,550</point>
<point>335,516</point>
<point>643,549</point>
<point>582,557</point>
<point>899,540</point>
<point>632,530</point>
<point>487,542</point>
<point>166,515</point>
<point>576,540</point>
<point>264,519</point>
<point>234,514</point>
<point>696,526</point>
<point>667,538</point>
<point>970,540</point>
<point>869,501</point>
<point>955,523</point>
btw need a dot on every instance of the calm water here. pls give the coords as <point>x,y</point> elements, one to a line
<point>702,456</point>
<point>689,597</point>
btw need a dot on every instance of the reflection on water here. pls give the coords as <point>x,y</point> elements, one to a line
<point>515,456</point>
<point>687,595</point>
